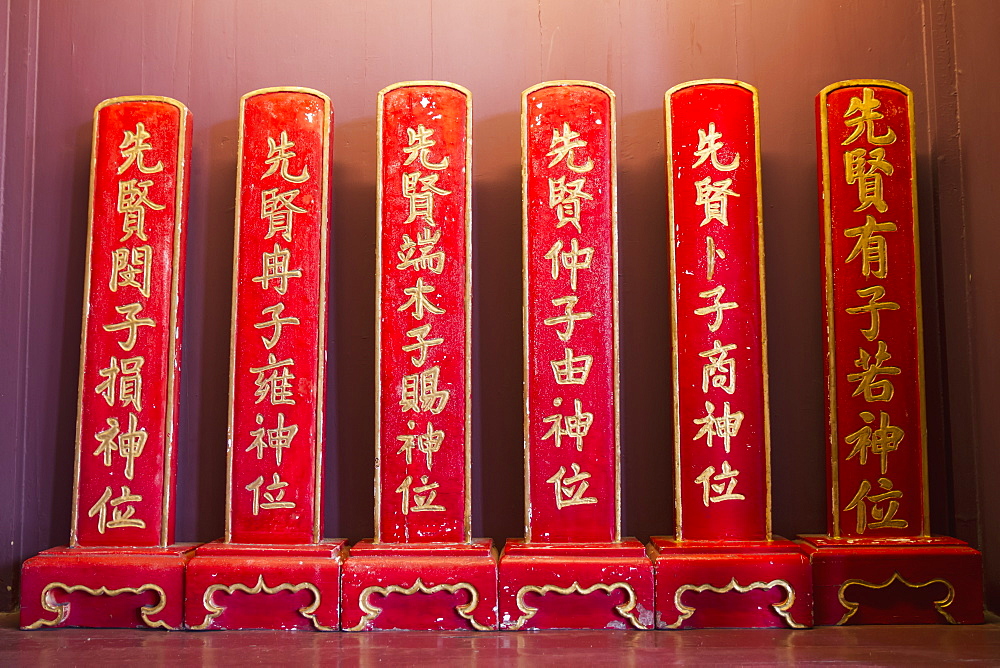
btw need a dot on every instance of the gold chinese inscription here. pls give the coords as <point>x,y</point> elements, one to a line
<point>122,512</point>
<point>875,505</point>
<point>570,487</point>
<point>718,423</point>
<point>120,383</point>
<point>569,261</point>
<point>420,251</point>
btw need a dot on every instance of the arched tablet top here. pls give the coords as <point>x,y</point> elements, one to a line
<point>142,98</point>
<point>412,84</point>
<point>285,89</point>
<point>882,83</point>
<point>568,82</point>
<point>698,82</point>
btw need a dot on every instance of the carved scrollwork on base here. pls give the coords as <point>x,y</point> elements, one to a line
<point>465,610</point>
<point>626,609</point>
<point>214,610</point>
<point>62,609</point>
<point>852,607</point>
<point>782,608</point>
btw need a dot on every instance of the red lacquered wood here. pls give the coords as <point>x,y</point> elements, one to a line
<point>130,363</point>
<point>721,432</point>
<point>273,569</point>
<point>113,587</point>
<point>267,586</point>
<point>731,583</point>
<point>423,571</point>
<point>278,348</point>
<point>575,586</point>
<point>878,565</point>
<point>933,580</point>
<point>120,569</point>
<point>424,313</point>
<point>573,569</point>
<point>420,587</point>
<point>570,311</point>
<point>723,569</point>
<point>876,431</point>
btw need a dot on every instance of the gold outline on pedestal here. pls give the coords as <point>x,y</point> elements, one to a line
<point>852,607</point>
<point>465,610</point>
<point>625,609</point>
<point>380,109</point>
<point>62,610</point>
<point>324,253</point>
<point>308,611</point>
<point>678,510</point>
<point>782,608</point>
<point>613,196</point>
<point>827,225</point>
<point>179,222</point>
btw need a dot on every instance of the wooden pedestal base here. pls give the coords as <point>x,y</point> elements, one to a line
<point>105,587</point>
<point>575,586</point>
<point>937,580</point>
<point>237,586</point>
<point>731,584</point>
<point>420,587</point>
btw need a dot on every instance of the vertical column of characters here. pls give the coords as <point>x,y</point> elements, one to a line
<point>722,481</point>
<point>571,344</point>
<point>423,313</point>
<point>874,347</point>
<point>278,350</point>
<point>125,450</point>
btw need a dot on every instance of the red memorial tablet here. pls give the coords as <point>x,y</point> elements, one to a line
<point>722,481</point>
<point>573,569</point>
<point>121,568</point>
<point>274,530</point>
<point>423,570</point>
<point>879,563</point>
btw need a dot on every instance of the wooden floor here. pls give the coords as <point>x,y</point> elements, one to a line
<point>870,645</point>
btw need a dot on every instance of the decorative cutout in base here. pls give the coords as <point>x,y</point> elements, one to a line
<point>465,610</point>
<point>782,608</point>
<point>309,611</point>
<point>62,609</point>
<point>852,607</point>
<point>626,609</point>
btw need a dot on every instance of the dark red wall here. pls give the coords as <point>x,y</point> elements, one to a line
<point>62,58</point>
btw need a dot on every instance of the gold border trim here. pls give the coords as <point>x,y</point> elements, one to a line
<point>324,257</point>
<point>467,464</point>
<point>62,610</point>
<point>309,611</point>
<point>685,612</point>
<point>833,440</point>
<point>464,610</point>
<point>852,607</point>
<point>615,326</point>
<point>625,609</point>
<point>180,222</point>
<point>668,144</point>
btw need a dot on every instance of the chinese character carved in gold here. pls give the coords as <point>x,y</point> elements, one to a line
<point>718,487</point>
<point>575,426</point>
<point>570,489</point>
<point>869,383</point>
<point>881,517</point>
<point>120,517</point>
<point>708,147</point>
